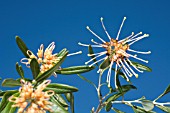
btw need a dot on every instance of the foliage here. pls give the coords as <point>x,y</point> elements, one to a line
<point>42,95</point>
<point>60,104</point>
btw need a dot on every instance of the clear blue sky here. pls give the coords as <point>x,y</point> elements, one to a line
<point>65,21</point>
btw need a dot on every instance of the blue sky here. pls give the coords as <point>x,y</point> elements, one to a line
<point>65,22</point>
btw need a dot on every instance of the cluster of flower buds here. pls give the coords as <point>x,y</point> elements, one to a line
<point>45,58</point>
<point>32,100</point>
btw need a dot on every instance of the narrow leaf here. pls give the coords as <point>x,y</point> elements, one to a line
<point>62,52</point>
<point>4,100</point>
<point>141,66</point>
<point>9,82</point>
<point>125,88</point>
<point>74,70</point>
<point>22,46</point>
<point>2,93</point>
<point>35,68</point>
<point>110,99</point>
<point>56,107</point>
<point>138,109</point>
<point>117,81</point>
<point>68,96</point>
<point>105,64</point>
<point>20,70</point>
<point>128,87</point>
<point>113,97</point>
<point>90,82</point>
<point>108,106</point>
<point>91,52</point>
<point>164,108</point>
<point>48,73</point>
<point>167,90</point>
<point>61,88</point>
<point>72,102</point>
<point>61,101</point>
<point>8,108</point>
<point>117,111</point>
<point>123,76</point>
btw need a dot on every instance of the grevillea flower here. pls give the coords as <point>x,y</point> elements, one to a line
<point>46,58</point>
<point>117,51</point>
<point>32,100</point>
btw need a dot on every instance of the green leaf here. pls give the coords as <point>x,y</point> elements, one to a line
<point>105,64</point>
<point>108,106</point>
<point>91,52</point>
<point>122,75</point>
<point>128,87</point>
<point>125,88</point>
<point>147,105</point>
<point>61,88</point>
<point>141,66</point>
<point>48,73</point>
<point>2,93</point>
<point>74,70</point>
<point>12,110</point>
<point>90,82</point>
<point>167,90</point>
<point>35,67</point>
<point>4,100</point>
<point>26,79</point>
<point>68,96</point>
<point>113,97</point>
<point>117,81</point>
<point>164,108</point>
<point>9,108</point>
<point>138,109</point>
<point>56,107</point>
<point>22,46</point>
<point>117,111</point>
<point>72,102</point>
<point>61,101</point>
<point>62,52</point>
<point>110,99</point>
<point>9,82</point>
<point>20,70</point>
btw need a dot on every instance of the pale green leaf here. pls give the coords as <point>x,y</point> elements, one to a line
<point>147,105</point>
<point>117,110</point>
<point>164,108</point>
<point>9,82</point>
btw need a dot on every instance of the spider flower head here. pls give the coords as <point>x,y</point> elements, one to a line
<point>117,51</point>
<point>46,58</point>
<point>32,100</point>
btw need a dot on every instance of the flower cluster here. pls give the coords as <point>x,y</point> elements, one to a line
<point>117,52</point>
<point>45,58</point>
<point>32,100</point>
